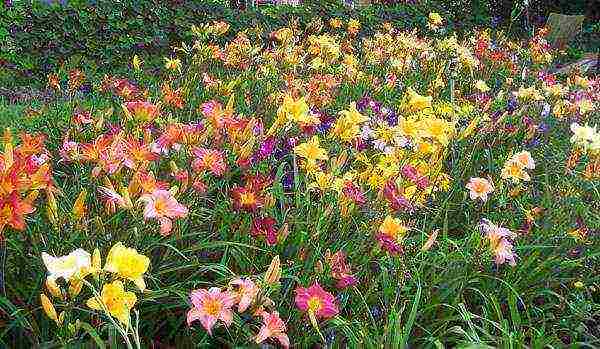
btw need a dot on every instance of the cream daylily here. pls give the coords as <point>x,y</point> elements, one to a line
<point>74,264</point>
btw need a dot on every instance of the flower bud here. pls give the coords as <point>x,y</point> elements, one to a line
<point>274,272</point>
<point>48,308</point>
<point>53,288</point>
<point>75,287</point>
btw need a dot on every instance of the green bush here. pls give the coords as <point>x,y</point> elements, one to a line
<point>37,37</point>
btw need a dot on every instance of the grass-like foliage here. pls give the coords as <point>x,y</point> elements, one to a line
<point>307,187</point>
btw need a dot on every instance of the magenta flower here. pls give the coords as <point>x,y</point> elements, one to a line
<point>209,306</point>
<point>163,206</point>
<point>266,227</point>
<point>316,301</point>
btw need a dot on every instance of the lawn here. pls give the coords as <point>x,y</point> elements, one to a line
<point>310,186</point>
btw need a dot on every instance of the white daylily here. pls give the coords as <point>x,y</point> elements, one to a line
<point>67,266</point>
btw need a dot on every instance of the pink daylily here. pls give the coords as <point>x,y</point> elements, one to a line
<point>316,301</point>
<point>209,306</point>
<point>273,327</point>
<point>163,206</point>
<point>246,291</point>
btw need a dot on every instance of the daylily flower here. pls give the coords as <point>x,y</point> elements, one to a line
<point>163,206</point>
<point>481,86</point>
<point>265,227</point>
<point>209,159</point>
<point>340,270</point>
<point>142,110</point>
<point>416,102</point>
<point>390,234</point>
<point>297,111</point>
<point>524,159</point>
<point>115,300</point>
<point>316,301</point>
<point>273,327</point>
<point>75,264</point>
<point>479,188</point>
<point>209,306</point>
<point>311,150</point>
<point>245,291</point>
<point>434,19</point>
<point>128,264</point>
<point>500,242</point>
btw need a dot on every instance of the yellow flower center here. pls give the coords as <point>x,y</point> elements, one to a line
<point>247,198</point>
<point>479,187</point>
<point>212,307</point>
<point>160,206</point>
<point>314,304</point>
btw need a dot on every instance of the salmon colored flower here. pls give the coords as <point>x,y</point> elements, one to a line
<point>209,159</point>
<point>273,327</point>
<point>172,97</point>
<point>13,211</point>
<point>524,160</point>
<point>163,206</point>
<point>390,234</point>
<point>500,242</point>
<point>115,300</point>
<point>316,301</point>
<point>209,306</point>
<point>128,264</point>
<point>479,188</point>
<point>245,291</point>
<point>142,110</point>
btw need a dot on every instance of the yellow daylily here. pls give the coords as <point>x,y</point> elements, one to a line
<point>416,102</point>
<point>115,300</point>
<point>311,150</point>
<point>128,264</point>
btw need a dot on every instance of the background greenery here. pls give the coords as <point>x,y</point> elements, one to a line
<point>36,36</point>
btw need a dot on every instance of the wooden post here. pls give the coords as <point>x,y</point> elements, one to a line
<point>563,28</point>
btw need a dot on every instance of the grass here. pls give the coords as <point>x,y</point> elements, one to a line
<point>452,295</point>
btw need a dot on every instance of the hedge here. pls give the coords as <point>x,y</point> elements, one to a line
<point>36,36</point>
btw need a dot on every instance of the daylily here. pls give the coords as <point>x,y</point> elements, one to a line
<point>76,263</point>
<point>265,227</point>
<point>209,159</point>
<point>141,110</point>
<point>128,264</point>
<point>273,327</point>
<point>479,188</point>
<point>416,102</point>
<point>115,300</point>
<point>311,150</point>
<point>500,242</point>
<point>211,305</point>
<point>245,291</point>
<point>163,206</point>
<point>390,234</point>
<point>316,301</point>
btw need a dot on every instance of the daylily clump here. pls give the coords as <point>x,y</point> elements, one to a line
<point>358,161</point>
